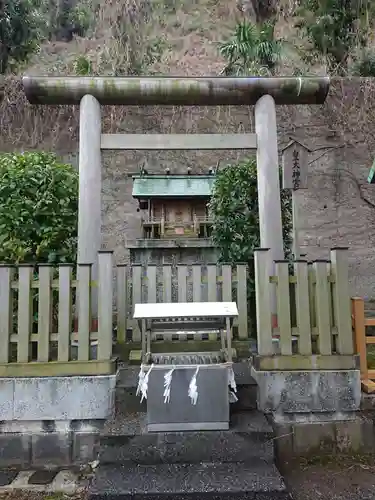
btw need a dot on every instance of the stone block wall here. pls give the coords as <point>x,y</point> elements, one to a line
<point>53,421</point>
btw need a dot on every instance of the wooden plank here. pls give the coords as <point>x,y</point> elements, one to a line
<point>212,291</point>
<point>167,284</point>
<point>212,283</point>
<point>151,284</point>
<point>44,311</point>
<point>241,291</point>
<point>294,167</point>
<point>197,283</point>
<point>167,292</point>
<point>330,293</point>
<point>323,300</point>
<point>299,362</point>
<point>6,311</point>
<point>178,142</point>
<point>65,313</point>
<point>283,307</point>
<point>341,298</point>
<point>122,302</point>
<point>58,369</point>
<point>25,276</point>
<point>84,311</point>
<point>360,340</point>
<point>182,273</point>
<point>303,308</point>
<point>136,297</point>
<point>186,310</point>
<point>226,272</point>
<point>263,301</point>
<point>105,305</point>
<point>312,292</point>
<point>54,337</point>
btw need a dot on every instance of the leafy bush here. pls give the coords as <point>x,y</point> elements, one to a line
<point>81,17</point>
<point>83,66</point>
<point>234,207</point>
<point>19,31</point>
<point>39,207</point>
<point>335,27</point>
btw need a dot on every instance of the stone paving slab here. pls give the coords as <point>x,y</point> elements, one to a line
<point>7,477</point>
<point>49,481</point>
<point>43,477</point>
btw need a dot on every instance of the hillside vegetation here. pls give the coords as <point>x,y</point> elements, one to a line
<point>187,37</point>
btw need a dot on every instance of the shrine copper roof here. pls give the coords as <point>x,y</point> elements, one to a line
<point>172,186</point>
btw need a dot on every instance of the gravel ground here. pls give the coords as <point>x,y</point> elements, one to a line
<point>342,479</point>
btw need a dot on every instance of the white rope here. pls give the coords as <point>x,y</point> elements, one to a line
<point>227,364</point>
<point>232,386</point>
<point>232,397</point>
<point>143,382</point>
<point>231,380</point>
<point>167,386</point>
<point>193,388</point>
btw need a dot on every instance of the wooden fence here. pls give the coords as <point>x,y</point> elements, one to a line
<point>312,304</point>
<point>39,336</point>
<point>36,320</point>
<point>360,323</point>
<point>194,283</point>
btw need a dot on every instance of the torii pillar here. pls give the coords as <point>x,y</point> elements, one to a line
<point>90,93</point>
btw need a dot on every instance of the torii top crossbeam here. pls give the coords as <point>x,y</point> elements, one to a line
<point>192,91</point>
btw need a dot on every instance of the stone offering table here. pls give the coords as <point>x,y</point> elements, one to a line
<point>212,371</point>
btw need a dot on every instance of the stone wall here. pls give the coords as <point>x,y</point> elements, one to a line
<point>53,421</point>
<point>337,209</point>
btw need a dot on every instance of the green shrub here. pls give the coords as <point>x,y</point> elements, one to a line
<point>39,207</point>
<point>82,66</point>
<point>19,32</point>
<point>81,17</point>
<point>234,208</point>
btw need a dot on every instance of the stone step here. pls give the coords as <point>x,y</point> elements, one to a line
<point>233,481</point>
<point>124,440</point>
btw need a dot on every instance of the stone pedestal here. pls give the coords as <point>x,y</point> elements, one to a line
<point>313,391</point>
<point>53,420</point>
<point>182,251</point>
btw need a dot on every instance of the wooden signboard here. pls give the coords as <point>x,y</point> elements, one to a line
<point>294,165</point>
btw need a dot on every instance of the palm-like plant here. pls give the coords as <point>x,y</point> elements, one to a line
<point>252,49</point>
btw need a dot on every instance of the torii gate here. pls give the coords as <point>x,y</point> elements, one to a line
<point>92,92</point>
